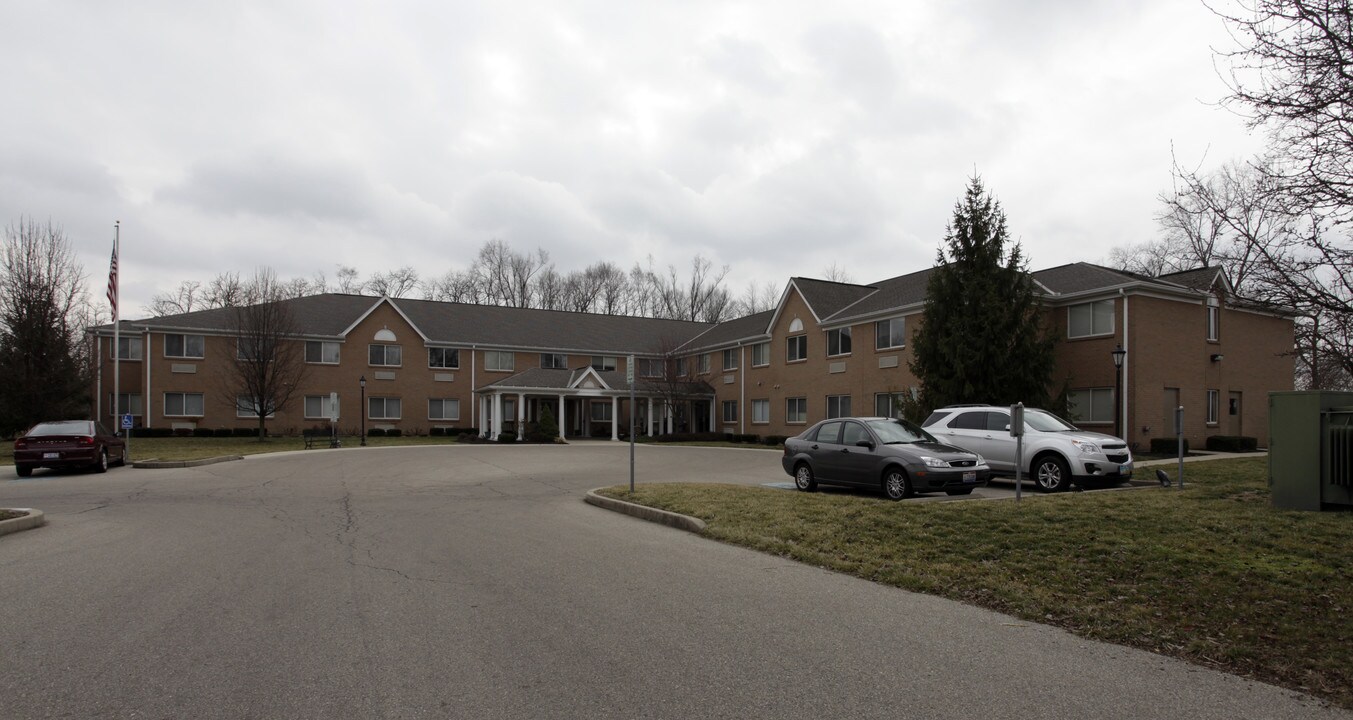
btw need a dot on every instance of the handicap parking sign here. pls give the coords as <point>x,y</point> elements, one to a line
<point>127,421</point>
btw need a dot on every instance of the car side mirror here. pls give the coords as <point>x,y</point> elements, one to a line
<point>865,444</point>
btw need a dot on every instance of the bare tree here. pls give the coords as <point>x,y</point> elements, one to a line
<point>757,298</point>
<point>43,357</point>
<point>224,291</point>
<point>348,281</point>
<point>836,273</point>
<point>395,283</point>
<point>185,298</point>
<point>267,366</point>
<point>455,286</point>
<point>612,288</point>
<point>668,376</point>
<point>1291,75</point>
<point>549,290</point>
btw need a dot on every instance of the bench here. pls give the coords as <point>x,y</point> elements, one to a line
<point>320,439</point>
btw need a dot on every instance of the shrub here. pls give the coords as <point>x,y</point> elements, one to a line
<point>393,432</point>
<point>436,431</point>
<point>203,432</point>
<point>376,432</point>
<point>183,432</point>
<point>152,432</point>
<point>775,440</point>
<point>547,428</point>
<point>222,432</point>
<point>751,438</point>
<point>1168,446</point>
<point>507,438</point>
<point>1232,443</point>
<point>246,432</point>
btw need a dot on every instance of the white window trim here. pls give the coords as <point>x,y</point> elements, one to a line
<point>511,366</point>
<point>444,401</point>
<point>1092,390</point>
<point>1113,321</point>
<point>241,412</point>
<point>1212,413</point>
<point>554,356</point>
<point>838,332</point>
<point>848,413</point>
<point>733,354</point>
<point>384,355</point>
<point>385,407</point>
<point>443,367</point>
<point>904,334</point>
<point>322,344</point>
<point>185,395</point>
<point>324,399</point>
<point>765,402</point>
<point>789,344</point>
<point>729,404</point>
<point>788,420</point>
<point>113,406</point>
<point>185,337</point>
<point>131,342</point>
<point>765,345</point>
<point>1213,319</point>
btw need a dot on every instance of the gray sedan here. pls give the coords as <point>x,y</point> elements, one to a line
<point>895,456</point>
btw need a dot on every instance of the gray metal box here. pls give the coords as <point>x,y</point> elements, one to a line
<point>1310,455</point>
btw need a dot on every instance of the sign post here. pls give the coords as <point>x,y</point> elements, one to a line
<point>1017,431</point>
<point>333,419</point>
<point>629,378</point>
<point>1179,441</point>
<point>126,436</point>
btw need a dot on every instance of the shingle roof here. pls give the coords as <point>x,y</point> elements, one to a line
<point>749,327</point>
<point>1203,278</point>
<point>826,298</point>
<point>328,314</point>
<point>893,293</point>
<point>562,379</point>
<point>1084,277</point>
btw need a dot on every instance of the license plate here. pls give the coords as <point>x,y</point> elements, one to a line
<point>970,476</point>
<point>1122,469</point>
<point>51,456</point>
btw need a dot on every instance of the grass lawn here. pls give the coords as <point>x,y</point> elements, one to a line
<point>190,448</point>
<point>1212,574</point>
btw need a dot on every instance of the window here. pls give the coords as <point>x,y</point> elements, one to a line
<point>183,404</point>
<point>838,341</point>
<point>682,367</point>
<point>730,359</point>
<point>317,406</point>
<point>184,346</point>
<point>1213,399</point>
<point>730,411</point>
<point>602,363</point>
<point>854,433</point>
<point>888,405</point>
<point>443,409</point>
<point>704,364</point>
<point>321,351</point>
<point>384,355</point>
<point>829,432</point>
<point>1091,405</point>
<point>444,358</point>
<point>890,334</point>
<point>126,403</point>
<point>761,354</point>
<point>838,406</point>
<point>554,361</point>
<point>1088,319</point>
<point>499,361</point>
<point>252,349</point>
<point>128,348</point>
<point>383,408</point>
<point>760,411</point>
<point>798,348</point>
<point>970,421</point>
<point>650,368</point>
<point>601,412</point>
<point>246,407</point>
<point>796,410</point>
<point>1213,319</point>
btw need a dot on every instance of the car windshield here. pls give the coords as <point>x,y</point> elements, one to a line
<point>894,432</point>
<point>69,427</point>
<point>1044,421</point>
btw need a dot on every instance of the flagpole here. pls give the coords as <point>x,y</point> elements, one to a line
<point>113,292</point>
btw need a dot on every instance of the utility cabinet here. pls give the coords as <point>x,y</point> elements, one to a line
<point>1310,455</point>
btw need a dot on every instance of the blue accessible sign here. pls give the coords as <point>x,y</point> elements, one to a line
<point>127,421</point>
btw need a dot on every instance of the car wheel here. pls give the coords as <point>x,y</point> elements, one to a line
<point>896,484</point>
<point>101,464</point>
<point>959,491</point>
<point>23,470</point>
<point>122,459</point>
<point>803,478</point>
<point>1051,474</point>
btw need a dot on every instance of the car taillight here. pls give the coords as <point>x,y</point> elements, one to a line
<point>21,444</point>
<point>86,440</point>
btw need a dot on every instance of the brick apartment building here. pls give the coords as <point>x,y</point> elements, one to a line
<point>827,349</point>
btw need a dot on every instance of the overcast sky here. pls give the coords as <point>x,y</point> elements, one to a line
<point>777,138</point>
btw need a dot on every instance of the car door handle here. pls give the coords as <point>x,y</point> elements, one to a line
<point>845,450</point>
<point>814,447</point>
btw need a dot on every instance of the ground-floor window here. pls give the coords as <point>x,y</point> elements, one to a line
<point>1091,405</point>
<point>318,407</point>
<point>601,412</point>
<point>126,403</point>
<point>796,410</point>
<point>183,404</point>
<point>1213,402</point>
<point>383,408</point>
<point>838,406</point>
<point>247,407</point>
<point>443,409</point>
<point>760,411</point>
<point>888,405</point>
<point>730,411</point>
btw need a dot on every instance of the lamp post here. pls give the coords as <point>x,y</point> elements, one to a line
<point>1118,354</point>
<point>361,382</point>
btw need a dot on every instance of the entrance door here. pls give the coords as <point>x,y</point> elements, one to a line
<point>1168,407</point>
<point>700,415</point>
<point>1234,415</point>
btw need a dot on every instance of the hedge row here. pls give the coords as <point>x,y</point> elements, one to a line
<point>1232,443</point>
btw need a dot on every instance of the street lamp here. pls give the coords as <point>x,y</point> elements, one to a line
<point>361,382</point>
<point>1118,354</point>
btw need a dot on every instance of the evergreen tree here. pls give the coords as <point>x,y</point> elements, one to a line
<point>982,338</point>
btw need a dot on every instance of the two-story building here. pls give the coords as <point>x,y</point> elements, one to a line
<point>827,349</point>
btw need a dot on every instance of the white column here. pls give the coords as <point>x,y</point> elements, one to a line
<point>521,416</point>
<point>563,421</point>
<point>615,418</point>
<point>497,419</point>
<point>650,416</point>
<point>483,414</point>
<point>713,416</point>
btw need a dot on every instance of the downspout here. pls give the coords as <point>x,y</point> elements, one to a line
<point>742,389</point>
<point>1127,361</point>
<point>98,379</point>
<point>145,358</point>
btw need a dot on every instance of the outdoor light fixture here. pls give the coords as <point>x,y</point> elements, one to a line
<point>1216,357</point>
<point>1118,354</point>
<point>361,382</point>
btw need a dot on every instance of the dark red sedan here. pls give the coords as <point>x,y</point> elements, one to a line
<point>68,444</point>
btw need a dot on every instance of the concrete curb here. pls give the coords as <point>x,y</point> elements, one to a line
<point>158,464</point>
<point>643,512</point>
<point>33,519</point>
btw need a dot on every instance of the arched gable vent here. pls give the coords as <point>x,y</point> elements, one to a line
<point>796,326</point>
<point>385,335</point>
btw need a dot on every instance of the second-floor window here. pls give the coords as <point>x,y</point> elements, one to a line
<point>446,358</point>
<point>889,334</point>
<point>384,355</point>
<point>650,368</point>
<point>554,361</point>
<point>730,359</point>
<point>838,341</point>
<point>1090,319</point>
<point>128,348</point>
<point>798,348</point>
<point>704,363</point>
<point>605,362</point>
<point>1213,319</point>
<point>499,361</point>
<point>761,354</point>
<point>322,352</point>
<point>185,346</point>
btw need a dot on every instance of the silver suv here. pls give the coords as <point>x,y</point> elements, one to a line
<point>1056,454</point>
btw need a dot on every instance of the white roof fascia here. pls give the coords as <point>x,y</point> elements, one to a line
<point>573,384</point>
<point>784,297</point>
<point>892,312</point>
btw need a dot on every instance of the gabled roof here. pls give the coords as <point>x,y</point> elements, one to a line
<point>891,294</point>
<point>1085,277</point>
<point>323,315</point>
<point>564,380</point>
<point>747,328</point>
<point>1203,279</point>
<point>826,298</point>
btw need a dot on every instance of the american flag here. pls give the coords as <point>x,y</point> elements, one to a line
<point>112,280</point>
